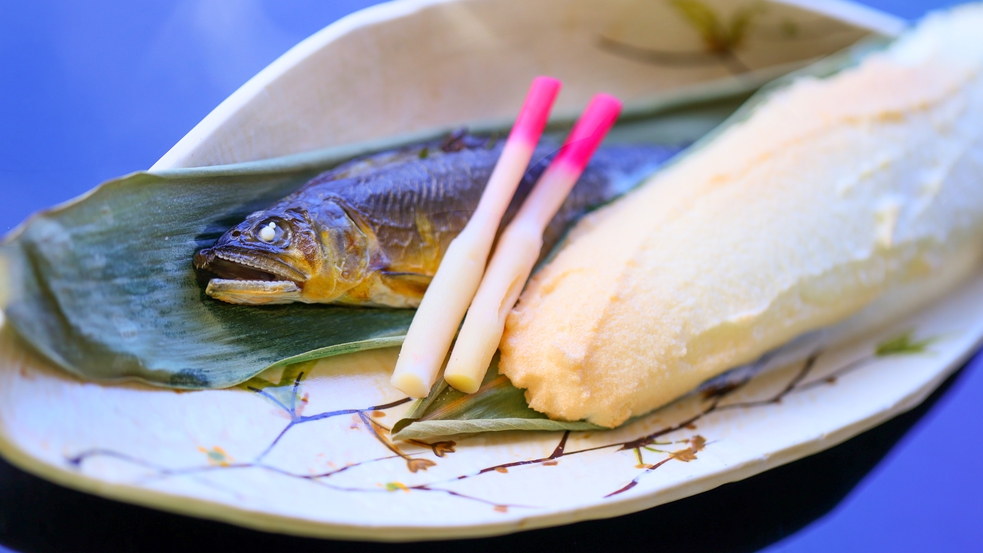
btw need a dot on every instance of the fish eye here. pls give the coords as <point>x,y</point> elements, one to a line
<point>270,230</point>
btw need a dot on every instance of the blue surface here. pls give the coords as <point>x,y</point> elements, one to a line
<point>93,90</point>
<point>924,496</point>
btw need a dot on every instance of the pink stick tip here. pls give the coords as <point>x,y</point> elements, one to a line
<point>589,132</point>
<point>535,110</point>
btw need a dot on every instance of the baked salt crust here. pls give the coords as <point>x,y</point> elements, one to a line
<point>832,193</point>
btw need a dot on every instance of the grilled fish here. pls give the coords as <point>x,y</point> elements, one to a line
<point>372,231</point>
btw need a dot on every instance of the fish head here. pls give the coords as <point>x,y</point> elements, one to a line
<point>287,254</point>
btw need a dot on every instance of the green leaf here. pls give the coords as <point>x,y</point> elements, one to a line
<point>495,407</point>
<point>716,36</point>
<point>396,487</point>
<point>704,19</point>
<point>903,345</point>
<point>105,287</point>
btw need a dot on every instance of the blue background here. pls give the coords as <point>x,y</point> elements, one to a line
<point>93,90</point>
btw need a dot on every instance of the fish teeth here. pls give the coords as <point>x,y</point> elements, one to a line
<point>274,268</point>
<point>251,281</point>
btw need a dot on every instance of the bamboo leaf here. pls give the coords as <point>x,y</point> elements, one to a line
<point>496,406</point>
<point>105,287</point>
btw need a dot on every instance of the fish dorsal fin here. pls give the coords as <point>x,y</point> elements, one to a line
<point>406,283</point>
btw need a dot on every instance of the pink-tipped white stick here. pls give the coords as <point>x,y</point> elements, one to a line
<point>452,288</point>
<point>520,245</point>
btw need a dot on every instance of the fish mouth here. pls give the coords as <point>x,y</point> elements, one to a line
<point>249,278</point>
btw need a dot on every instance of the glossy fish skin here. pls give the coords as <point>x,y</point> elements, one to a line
<point>372,231</point>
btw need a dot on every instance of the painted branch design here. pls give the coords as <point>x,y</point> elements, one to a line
<point>714,400</point>
<point>722,37</point>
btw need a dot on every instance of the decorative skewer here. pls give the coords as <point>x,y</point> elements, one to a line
<point>520,245</point>
<point>452,288</point>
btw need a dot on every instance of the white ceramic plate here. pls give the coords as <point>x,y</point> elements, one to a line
<point>313,457</point>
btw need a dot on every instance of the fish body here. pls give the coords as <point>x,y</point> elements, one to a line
<point>372,231</point>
